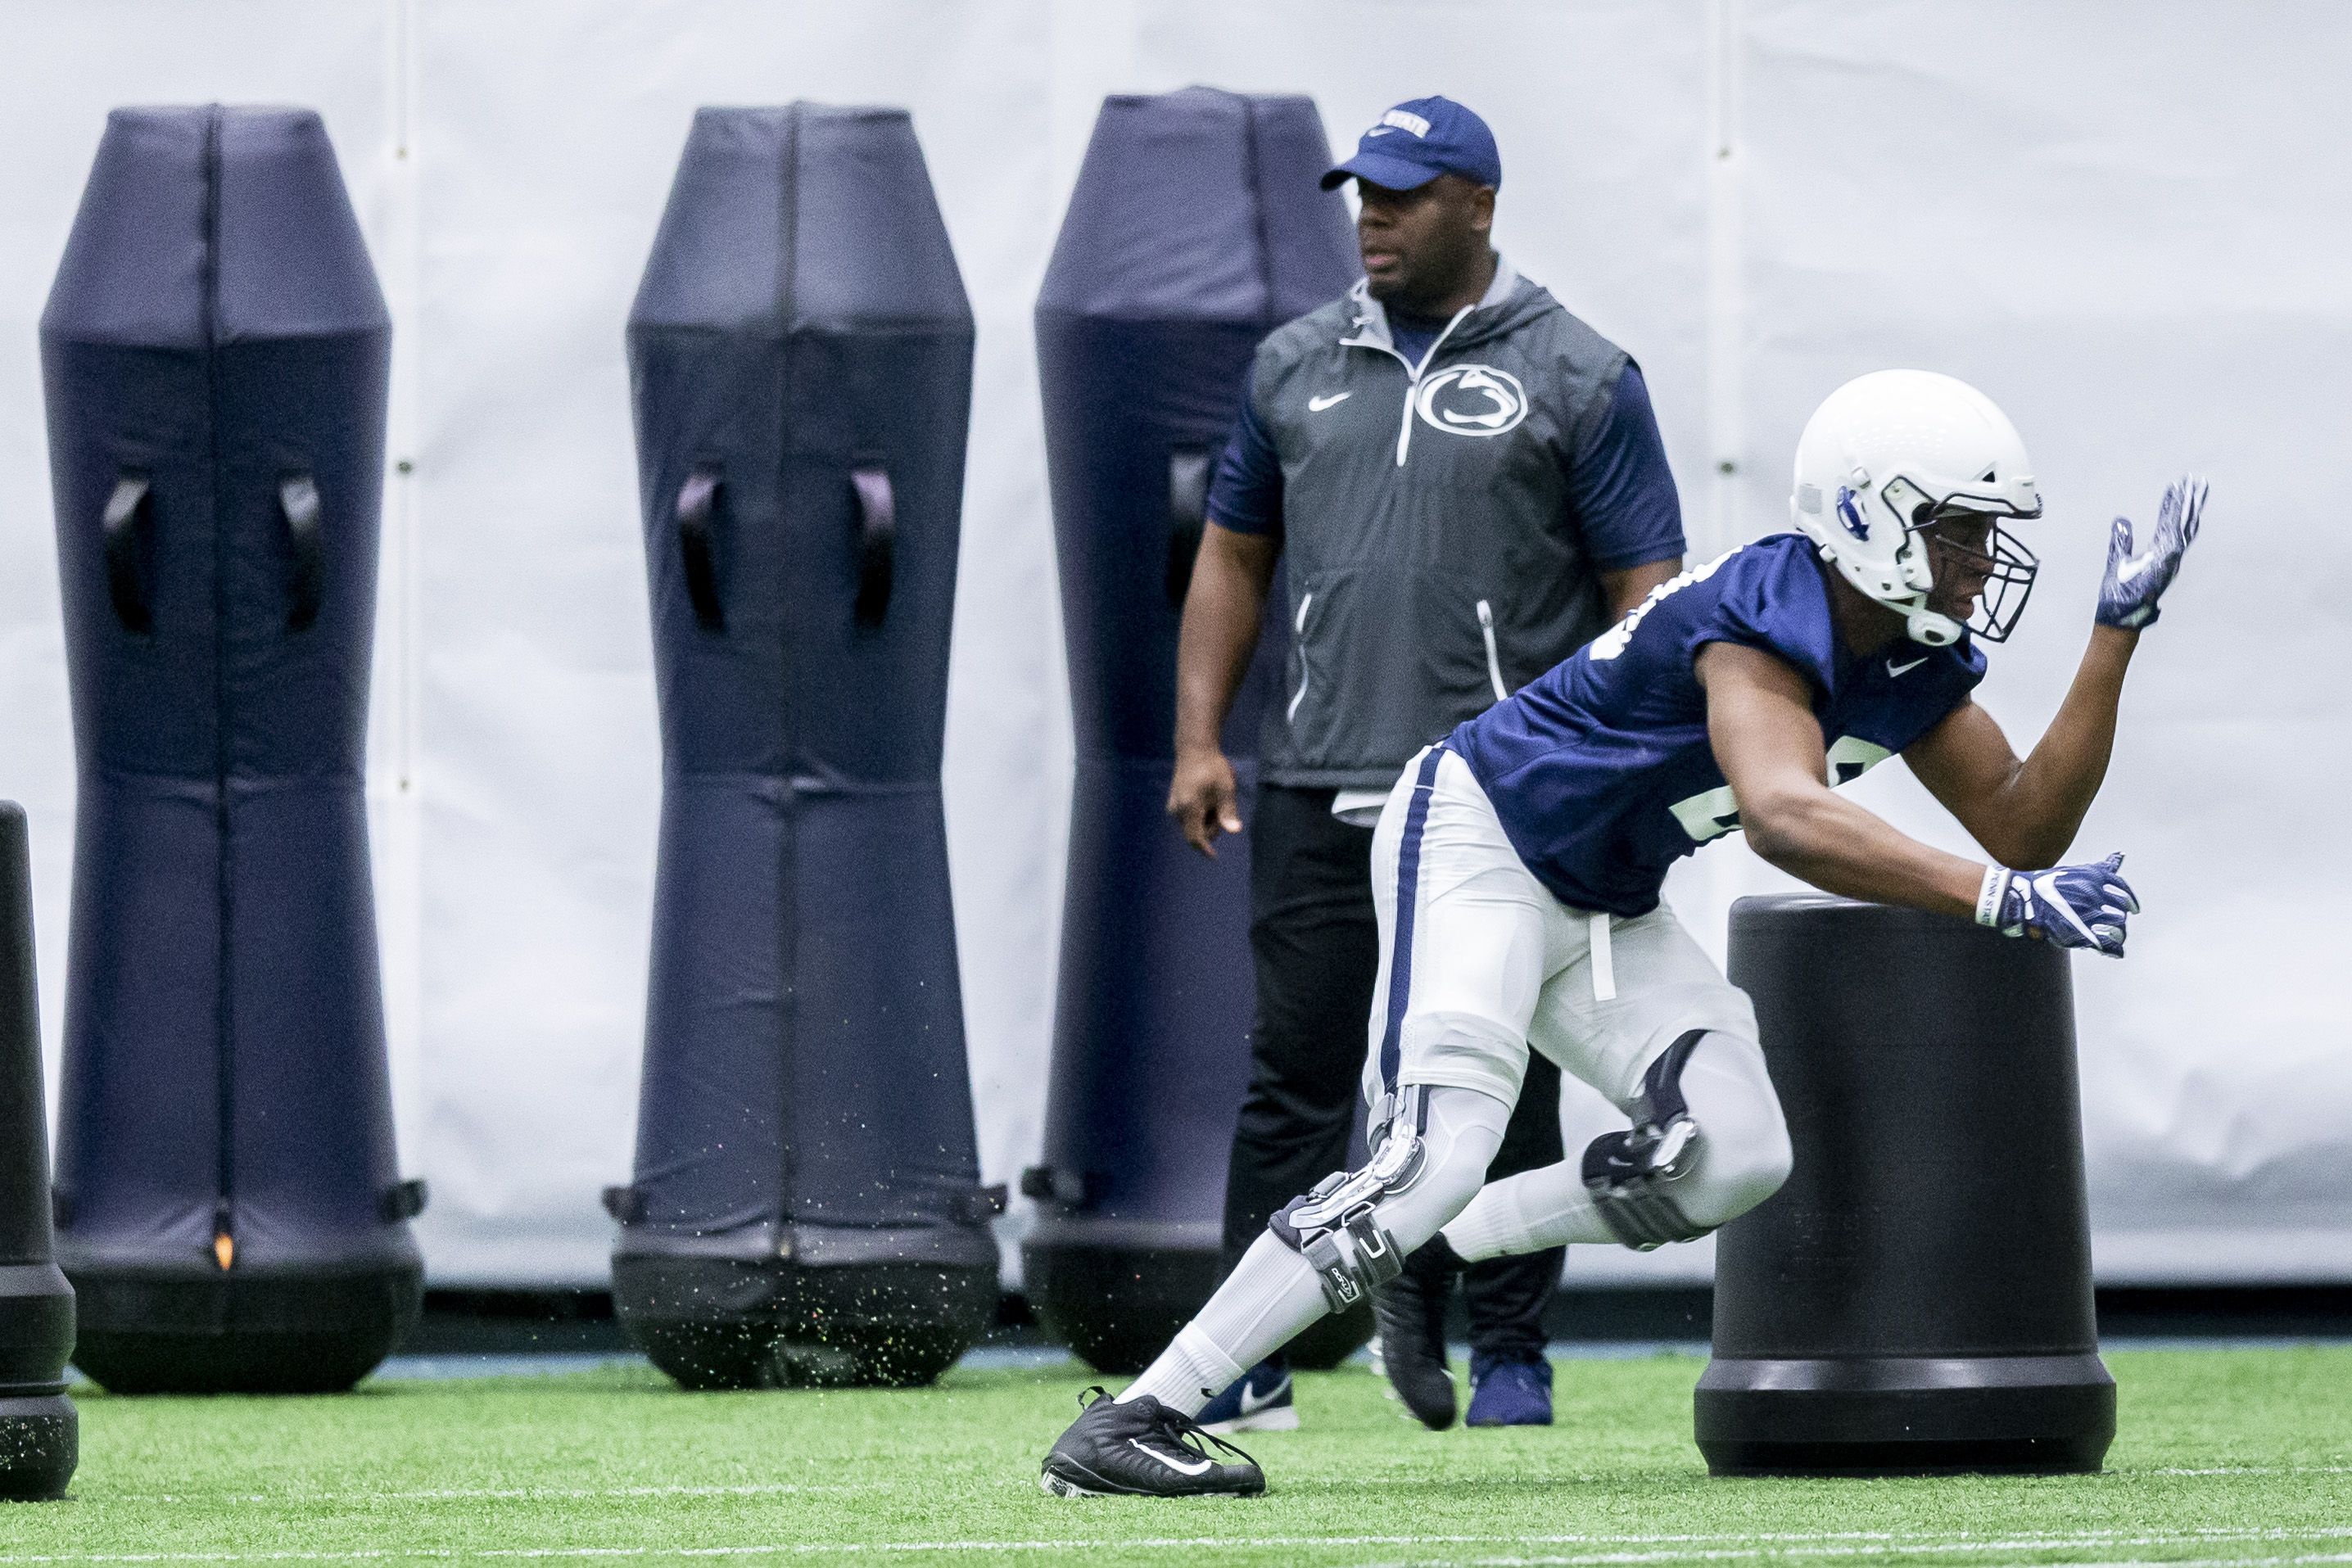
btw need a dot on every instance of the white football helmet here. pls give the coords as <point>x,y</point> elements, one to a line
<point>1890,452</point>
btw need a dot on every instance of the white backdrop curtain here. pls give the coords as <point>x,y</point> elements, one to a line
<point>2126,222</point>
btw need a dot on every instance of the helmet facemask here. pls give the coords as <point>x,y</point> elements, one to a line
<point>1936,547</point>
<point>2005,567</point>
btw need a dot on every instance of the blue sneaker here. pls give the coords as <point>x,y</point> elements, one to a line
<point>1509,1393</point>
<point>1259,1401</point>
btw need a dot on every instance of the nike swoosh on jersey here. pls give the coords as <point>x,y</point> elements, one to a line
<point>1318,404</point>
<point>1254,1402</point>
<point>1893,669</point>
<point>1181,1467</point>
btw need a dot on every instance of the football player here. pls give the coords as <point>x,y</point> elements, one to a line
<point>1519,863</point>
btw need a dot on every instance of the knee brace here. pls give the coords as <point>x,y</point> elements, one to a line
<point>1630,1175</point>
<point>1333,1225</point>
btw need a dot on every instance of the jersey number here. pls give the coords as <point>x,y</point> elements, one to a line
<point>1716,813</point>
<point>1611,642</point>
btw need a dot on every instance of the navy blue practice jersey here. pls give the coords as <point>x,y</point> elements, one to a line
<point>1600,770</point>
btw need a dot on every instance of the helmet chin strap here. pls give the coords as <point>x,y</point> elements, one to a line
<point>1928,627</point>
<point>1922,625</point>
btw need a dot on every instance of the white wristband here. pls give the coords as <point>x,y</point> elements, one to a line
<point>1990,895</point>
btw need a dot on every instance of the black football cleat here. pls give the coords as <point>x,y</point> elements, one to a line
<point>1410,1312</point>
<point>1143,1449</point>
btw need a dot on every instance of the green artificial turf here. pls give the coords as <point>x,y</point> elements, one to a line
<point>2236,1456</point>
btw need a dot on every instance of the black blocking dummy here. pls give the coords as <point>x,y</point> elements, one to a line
<point>214,354</point>
<point>1196,228</point>
<point>1917,1297</point>
<point>806,1208</point>
<point>39,1433</point>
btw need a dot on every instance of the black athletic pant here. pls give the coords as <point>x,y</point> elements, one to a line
<point>1315,943</point>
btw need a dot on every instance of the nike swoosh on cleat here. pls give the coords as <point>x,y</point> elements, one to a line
<point>1252,1403</point>
<point>1318,404</point>
<point>1893,669</point>
<point>1181,1467</point>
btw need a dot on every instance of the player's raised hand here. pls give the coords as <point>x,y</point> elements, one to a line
<point>2073,905</point>
<point>2137,581</point>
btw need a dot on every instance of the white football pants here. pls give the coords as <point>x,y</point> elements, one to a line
<point>1489,964</point>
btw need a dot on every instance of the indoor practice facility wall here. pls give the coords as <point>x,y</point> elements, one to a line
<point>2119,220</point>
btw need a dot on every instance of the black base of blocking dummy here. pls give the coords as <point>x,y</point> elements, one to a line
<point>40,1433</point>
<point>1886,1415</point>
<point>815,1308</point>
<point>41,1443</point>
<point>1917,1297</point>
<point>158,1331</point>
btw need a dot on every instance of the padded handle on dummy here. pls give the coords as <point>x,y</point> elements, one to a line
<point>402,1200</point>
<point>1053,1183</point>
<point>126,508</point>
<point>978,1205</point>
<point>878,540</point>
<point>298,497</point>
<point>1188,514</point>
<point>698,545</point>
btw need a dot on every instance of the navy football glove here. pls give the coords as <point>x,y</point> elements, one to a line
<point>2073,905</point>
<point>2134,583</point>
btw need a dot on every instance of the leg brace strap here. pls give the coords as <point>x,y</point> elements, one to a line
<point>1333,1227</point>
<point>1629,1174</point>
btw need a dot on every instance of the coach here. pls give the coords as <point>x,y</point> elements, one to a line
<point>1468,484</point>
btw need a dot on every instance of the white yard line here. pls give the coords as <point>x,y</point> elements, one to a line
<point>2022,1541</point>
<point>1635,1559</point>
<point>1659,1548</point>
<point>516,1494</point>
<point>790,1488</point>
<point>2088,1562</point>
<point>2249,1470</point>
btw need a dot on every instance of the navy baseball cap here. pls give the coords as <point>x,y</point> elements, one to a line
<point>1418,140</point>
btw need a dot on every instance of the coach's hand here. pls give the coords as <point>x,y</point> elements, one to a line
<point>1204,798</point>
<point>2134,583</point>
<point>2073,905</point>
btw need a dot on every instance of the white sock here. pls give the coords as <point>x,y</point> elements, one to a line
<point>1527,1213</point>
<point>1273,1294</point>
<point>1189,1373</point>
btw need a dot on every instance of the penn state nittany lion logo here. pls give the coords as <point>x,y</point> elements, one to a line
<point>1472,399</point>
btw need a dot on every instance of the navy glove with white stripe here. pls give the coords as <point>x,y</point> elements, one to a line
<point>2073,905</point>
<point>2134,583</point>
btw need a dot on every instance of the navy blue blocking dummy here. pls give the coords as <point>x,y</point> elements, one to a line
<point>39,1434</point>
<point>1917,1297</point>
<point>214,353</point>
<point>1195,229</point>
<point>806,1208</point>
